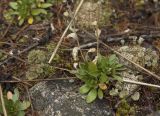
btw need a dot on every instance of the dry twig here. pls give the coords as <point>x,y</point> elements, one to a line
<point>140,83</point>
<point>65,31</point>
<point>2,101</point>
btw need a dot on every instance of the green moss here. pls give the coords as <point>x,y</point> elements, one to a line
<point>38,66</point>
<point>37,57</point>
<point>39,71</point>
<point>2,56</point>
<point>50,47</point>
<point>125,109</point>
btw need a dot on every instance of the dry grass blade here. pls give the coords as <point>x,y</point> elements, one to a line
<point>37,80</point>
<point>2,102</point>
<point>140,83</point>
<point>65,31</point>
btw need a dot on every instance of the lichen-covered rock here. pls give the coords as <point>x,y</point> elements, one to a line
<point>60,98</point>
<point>145,57</point>
<point>91,11</point>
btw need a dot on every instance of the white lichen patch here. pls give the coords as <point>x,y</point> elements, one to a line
<point>145,57</point>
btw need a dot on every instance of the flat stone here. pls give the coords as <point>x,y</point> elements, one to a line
<point>61,98</point>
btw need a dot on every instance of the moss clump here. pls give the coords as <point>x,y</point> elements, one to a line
<point>39,71</point>
<point>50,47</point>
<point>125,109</point>
<point>38,67</point>
<point>2,56</point>
<point>37,57</point>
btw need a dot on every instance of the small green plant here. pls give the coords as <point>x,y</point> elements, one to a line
<point>124,109</point>
<point>97,76</point>
<point>14,106</point>
<point>27,10</point>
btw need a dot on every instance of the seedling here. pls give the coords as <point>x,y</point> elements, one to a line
<point>14,106</point>
<point>97,76</point>
<point>27,10</point>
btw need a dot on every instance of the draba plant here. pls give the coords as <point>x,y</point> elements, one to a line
<point>96,76</point>
<point>14,106</point>
<point>27,10</point>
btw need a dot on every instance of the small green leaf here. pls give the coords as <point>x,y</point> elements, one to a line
<point>92,95</point>
<point>15,96</point>
<point>92,67</point>
<point>103,78</point>
<point>112,58</point>
<point>84,89</point>
<point>24,105</point>
<point>13,5</point>
<point>118,78</point>
<point>113,92</point>
<point>45,5</point>
<point>123,94</point>
<point>118,66</point>
<point>100,94</point>
<point>21,21</point>
<point>35,12</point>
<point>136,96</point>
<point>21,113</point>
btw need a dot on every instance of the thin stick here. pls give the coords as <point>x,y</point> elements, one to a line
<point>20,80</point>
<point>64,33</point>
<point>37,80</point>
<point>149,72</point>
<point>2,101</point>
<point>16,57</point>
<point>6,31</point>
<point>29,97</point>
<point>140,83</point>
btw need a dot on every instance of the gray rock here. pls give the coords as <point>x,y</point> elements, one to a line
<point>61,98</point>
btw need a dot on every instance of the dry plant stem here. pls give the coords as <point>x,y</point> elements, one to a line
<point>16,44</point>
<point>25,50</point>
<point>17,35</point>
<point>2,102</point>
<point>29,97</point>
<point>16,57</point>
<point>6,31</point>
<point>140,83</point>
<point>137,65</point>
<point>80,50</point>
<point>77,39</point>
<point>63,69</point>
<point>64,33</point>
<point>38,80</point>
<point>22,82</point>
<point>97,38</point>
